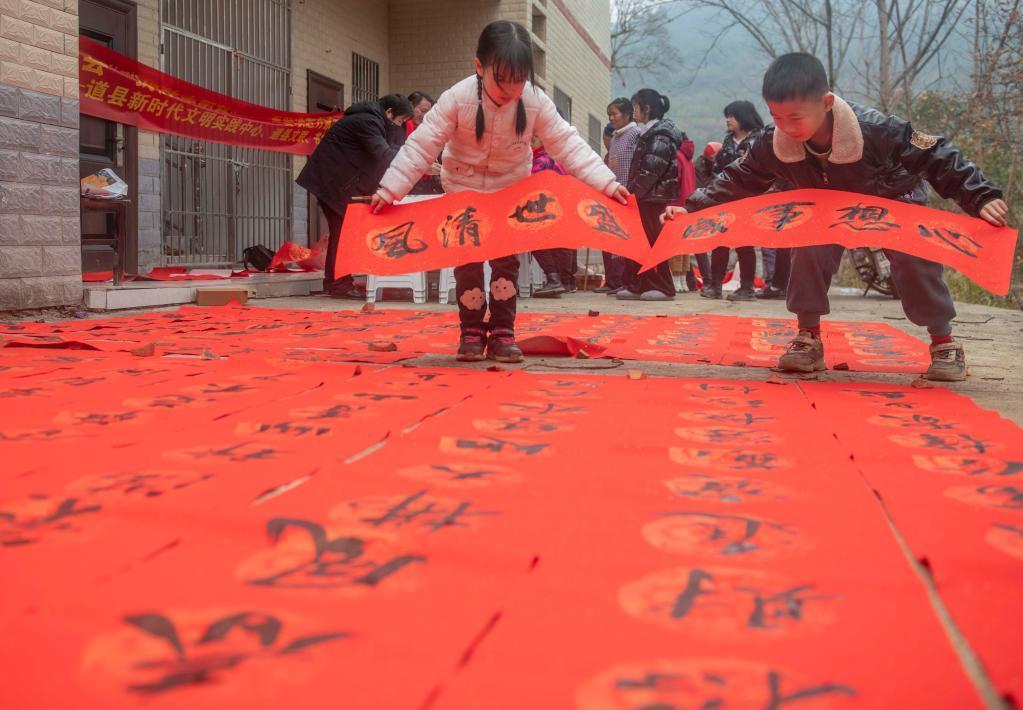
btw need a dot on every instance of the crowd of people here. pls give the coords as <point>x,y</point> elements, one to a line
<point>493,128</point>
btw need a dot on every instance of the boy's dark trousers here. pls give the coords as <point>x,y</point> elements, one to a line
<point>558,261</point>
<point>502,304</point>
<point>926,299</point>
<point>747,265</point>
<point>334,221</point>
<point>659,278</point>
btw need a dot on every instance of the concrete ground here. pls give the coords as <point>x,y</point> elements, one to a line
<point>993,338</point>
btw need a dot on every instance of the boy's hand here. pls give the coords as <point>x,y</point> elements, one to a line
<point>621,194</point>
<point>378,203</point>
<point>995,212</point>
<point>672,211</point>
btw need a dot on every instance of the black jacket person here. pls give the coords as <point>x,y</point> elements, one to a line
<point>653,180</point>
<point>349,161</point>
<point>821,141</point>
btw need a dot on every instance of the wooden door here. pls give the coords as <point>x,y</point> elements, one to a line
<point>325,95</point>
<point>106,144</point>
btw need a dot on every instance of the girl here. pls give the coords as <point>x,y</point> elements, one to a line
<point>654,182</point>
<point>349,161</point>
<point>484,124</point>
<point>744,125</point>
<point>625,134</point>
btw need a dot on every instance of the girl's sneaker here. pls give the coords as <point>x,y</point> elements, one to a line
<point>472,345</point>
<point>948,363</point>
<point>502,347</point>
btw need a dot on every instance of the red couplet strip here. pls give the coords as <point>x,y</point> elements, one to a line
<point>543,211</point>
<point>810,217</point>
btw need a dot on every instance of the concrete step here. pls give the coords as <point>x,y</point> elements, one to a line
<point>149,294</point>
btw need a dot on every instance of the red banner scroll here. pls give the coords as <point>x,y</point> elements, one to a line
<point>543,211</point>
<point>807,217</point>
<point>117,88</point>
<point>548,210</point>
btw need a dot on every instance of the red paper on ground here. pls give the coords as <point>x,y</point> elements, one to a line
<point>264,532</point>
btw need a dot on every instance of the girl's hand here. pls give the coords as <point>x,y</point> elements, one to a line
<point>671,212</point>
<point>621,194</point>
<point>378,203</point>
<point>995,212</point>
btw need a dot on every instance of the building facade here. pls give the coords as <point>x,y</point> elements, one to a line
<point>195,203</point>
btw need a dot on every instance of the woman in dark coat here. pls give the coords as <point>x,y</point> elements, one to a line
<point>349,161</point>
<point>744,126</point>
<point>654,181</point>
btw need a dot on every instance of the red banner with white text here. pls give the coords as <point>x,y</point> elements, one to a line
<point>117,88</point>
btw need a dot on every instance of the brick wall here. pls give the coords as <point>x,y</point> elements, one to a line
<point>40,240</point>
<point>150,242</point>
<point>573,66</point>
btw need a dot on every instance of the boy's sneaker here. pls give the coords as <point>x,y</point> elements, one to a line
<point>472,345</point>
<point>711,291</point>
<point>805,354</point>
<point>655,295</point>
<point>502,347</point>
<point>743,293</point>
<point>627,295</point>
<point>948,363</point>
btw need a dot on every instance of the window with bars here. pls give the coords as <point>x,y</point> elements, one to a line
<point>563,102</point>
<point>596,134</point>
<point>365,79</point>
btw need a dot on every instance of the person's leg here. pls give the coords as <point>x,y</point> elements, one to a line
<point>471,296</point>
<point>782,268</point>
<point>656,282</point>
<point>549,261</point>
<point>629,270</point>
<point>567,266</point>
<point>718,265</point>
<point>747,266</point>
<point>334,222</point>
<point>747,275</point>
<point>927,302</point>
<point>504,276</point>
<point>703,263</point>
<point>776,287</point>
<point>812,269</point>
<point>612,271</point>
<point>769,258</point>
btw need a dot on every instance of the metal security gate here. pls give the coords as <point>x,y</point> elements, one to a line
<point>218,199</point>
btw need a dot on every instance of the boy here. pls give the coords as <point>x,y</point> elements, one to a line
<point>821,141</point>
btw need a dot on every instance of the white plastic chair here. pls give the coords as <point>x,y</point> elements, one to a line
<point>416,282</point>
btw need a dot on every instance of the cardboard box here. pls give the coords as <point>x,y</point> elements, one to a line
<point>221,296</point>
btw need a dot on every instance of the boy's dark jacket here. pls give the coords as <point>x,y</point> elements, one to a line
<point>872,154</point>
<point>654,176</point>
<point>352,157</point>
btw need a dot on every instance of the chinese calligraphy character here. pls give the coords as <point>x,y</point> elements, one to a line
<point>781,217</point>
<point>535,211</point>
<point>951,239</point>
<point>705,227</point>
<point>601,218</point>
<point>395,242</point>
<point>462,225</point>
<point>864,218</point>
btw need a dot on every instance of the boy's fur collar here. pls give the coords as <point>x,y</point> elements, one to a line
<point>846,139</point>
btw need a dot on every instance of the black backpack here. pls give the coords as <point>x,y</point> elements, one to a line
<point>258,256</point>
